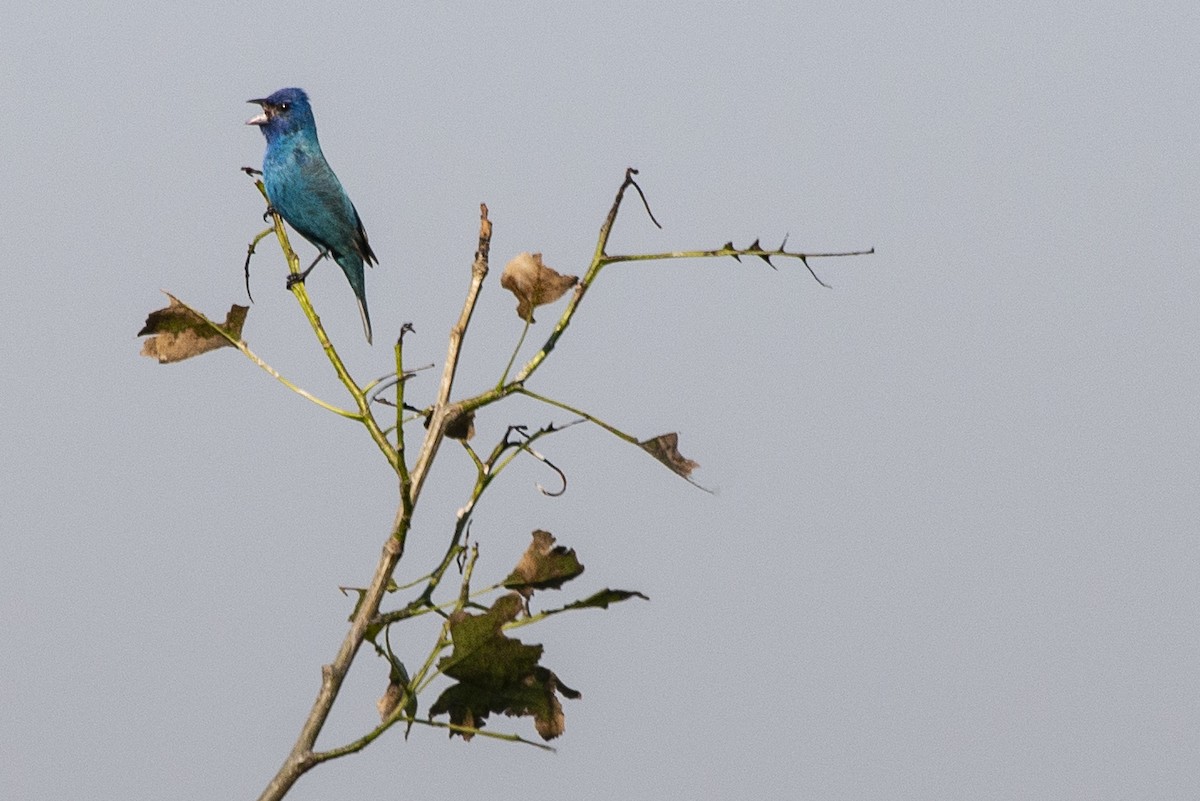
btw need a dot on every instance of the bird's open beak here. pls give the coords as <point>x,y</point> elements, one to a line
<point>260,118</point>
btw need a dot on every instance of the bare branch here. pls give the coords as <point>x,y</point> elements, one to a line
<point>441,409</point>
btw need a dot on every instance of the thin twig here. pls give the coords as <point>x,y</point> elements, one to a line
<point>616,432</point>
<point>520,341</point>
<point>441,409</point>
<point>250,252</point>
<point>241,345</point>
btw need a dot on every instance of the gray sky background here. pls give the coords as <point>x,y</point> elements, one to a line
<point>953,550</point>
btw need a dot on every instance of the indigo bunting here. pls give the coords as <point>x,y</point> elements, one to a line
<point>307,194</point>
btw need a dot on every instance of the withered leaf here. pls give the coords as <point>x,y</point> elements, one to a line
<point>390,699</point>
<point>180,333</point>
<point>665,448</point>
<point>461,426</point>
<point>602,599</point>
<point>495,673</point>
<point>534,283</point>
<point>543,566</point>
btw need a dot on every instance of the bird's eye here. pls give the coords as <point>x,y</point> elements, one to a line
<point>283,106</point>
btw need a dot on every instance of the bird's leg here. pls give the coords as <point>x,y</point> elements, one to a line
<point>268,213</point>
<point>298,278</point>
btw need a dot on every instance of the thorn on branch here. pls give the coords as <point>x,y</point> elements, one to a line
<point>763,255</point>
<point>756,249</point>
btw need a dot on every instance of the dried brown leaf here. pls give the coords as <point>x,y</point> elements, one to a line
<point>665,448</point>
<point>534,283</point>
<point>388,702</point>
<point>180,333</point>
<point>461,426</point>
<point>543,566</point>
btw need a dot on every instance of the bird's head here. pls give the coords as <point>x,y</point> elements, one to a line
<point>284,112</point>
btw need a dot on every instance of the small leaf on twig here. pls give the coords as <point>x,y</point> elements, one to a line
<point>534,283</point>
<point>665,448</point>
<point>602,599</point>
<point>543,566</point>
<point>390,699</point>
<point>498,674</point>
<point>397,682</point>
<point>180,333</point>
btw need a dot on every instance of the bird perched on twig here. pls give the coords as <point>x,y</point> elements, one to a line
<point>305,192</point>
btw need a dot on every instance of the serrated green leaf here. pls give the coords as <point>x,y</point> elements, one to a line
<point>496,673</point>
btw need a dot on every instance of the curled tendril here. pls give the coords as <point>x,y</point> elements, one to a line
<point>524,445</point>
<point>390,380</point>
<point>629,173</point>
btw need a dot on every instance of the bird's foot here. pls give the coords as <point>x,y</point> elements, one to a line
<point>298,278</point>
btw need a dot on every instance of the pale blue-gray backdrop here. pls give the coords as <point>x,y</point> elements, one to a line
<point>953,551</point>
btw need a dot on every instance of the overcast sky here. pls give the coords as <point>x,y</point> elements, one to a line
<point>953,548</point>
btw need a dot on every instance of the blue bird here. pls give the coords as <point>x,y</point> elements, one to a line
<point>304,190</point>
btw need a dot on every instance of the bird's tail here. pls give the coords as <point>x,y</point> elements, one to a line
<point>352,266</point>
<point>366,317</point>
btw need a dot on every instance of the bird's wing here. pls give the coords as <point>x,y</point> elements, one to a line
<point>325,203</point>
<point>311,198</point>
<point>360,240</point>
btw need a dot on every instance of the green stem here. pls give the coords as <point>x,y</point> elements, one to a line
<point>574,410</point>
<point>299,290</point>
<point>268,369</point>
<point>516,350</point>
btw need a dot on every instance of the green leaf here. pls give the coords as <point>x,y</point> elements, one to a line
<point>496,673</point>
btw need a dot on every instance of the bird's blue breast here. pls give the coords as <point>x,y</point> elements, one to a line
<point>305,191</point>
